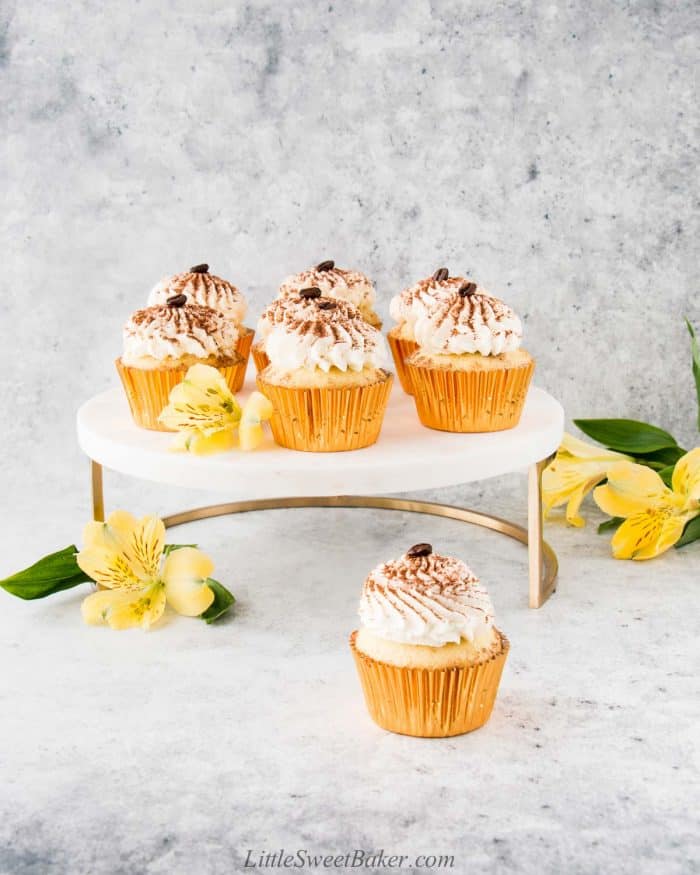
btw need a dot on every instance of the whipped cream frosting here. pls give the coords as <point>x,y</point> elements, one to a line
<point>334,282</point>
<point>162,332</point>
<point>453,316</point>
<point>204,288</point>
<point>321,332</point>
<point>429,600</point>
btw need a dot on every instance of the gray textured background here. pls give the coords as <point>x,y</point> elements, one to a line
<point>548,149</point>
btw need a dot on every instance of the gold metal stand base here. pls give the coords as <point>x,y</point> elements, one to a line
<point>543,565</point>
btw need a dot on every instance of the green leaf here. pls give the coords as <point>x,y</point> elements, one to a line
<point>626,435</point>
<point>666,475</point>
<point>53,573</point>
<point>170,548</point>
<point>223,600</point>
<point>695,350</point>
<point>610,525</point>
<point>691,533</point>
<point>659,459</point>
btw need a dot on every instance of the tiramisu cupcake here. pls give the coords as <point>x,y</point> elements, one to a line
<point>469,373</point>
<point>162,342</point>
<point>428,655</point>
<point>208,290</point>
<point>408,306</point>
<point>326,377</point>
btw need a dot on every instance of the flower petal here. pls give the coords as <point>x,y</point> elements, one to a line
<point>202,402</point>
<point>572,508</point>
<point>207,378</point>
<point>113,534</point>
<point>143,609</point>
<point>686,476</point>
<point>257,408</point>
<point>108,568</point>
<point>185,573</point>
<point>123,549</point>
<point>633,489</point>
<point>122,610</point>
<point>647,534</point>
<point>250,435</point>
<point>581,450</point>
<point>146,546</point>
<point>568,480</point>
<point>217,442</point>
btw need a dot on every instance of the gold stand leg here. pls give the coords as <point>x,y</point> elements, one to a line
<point>98,501</point>
<point>542,580</point>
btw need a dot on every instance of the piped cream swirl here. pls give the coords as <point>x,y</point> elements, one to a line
<point>205,289</point>
<point>421,297</point>
<point>346,285</point>
<point>161,332</point>
<point>322,332</point>
<point>445,322</point>
<point>429,600</point>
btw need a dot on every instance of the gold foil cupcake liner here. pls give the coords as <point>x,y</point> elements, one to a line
<point>245,341</point>
<point>327,419</point>
<point>470,401</point>
<point>260,358</point>
<point>430,702</point>
<point>401,349</point>
<point>148,390</point>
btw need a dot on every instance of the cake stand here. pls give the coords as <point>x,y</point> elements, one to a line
<point>407,457</point>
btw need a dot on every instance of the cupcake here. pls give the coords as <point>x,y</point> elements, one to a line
<point>162,342</point>
<point>326,377</point>
<point>428,654</point>
<point>202,287</point>
<point>409,305</point>
<point>469,373</point>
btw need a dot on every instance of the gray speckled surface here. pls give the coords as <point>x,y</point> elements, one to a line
<point>177,751</point>
<point>550,150</point>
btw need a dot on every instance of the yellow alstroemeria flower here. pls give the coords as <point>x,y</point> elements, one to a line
<point>255,411</point>
<point>207,416</point>
<point>654,515</point>
<point>577,468</point>
<point>124,555</point>
<point>202,403</point>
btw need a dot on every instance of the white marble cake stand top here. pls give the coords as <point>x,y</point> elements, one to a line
<point>407,456</point>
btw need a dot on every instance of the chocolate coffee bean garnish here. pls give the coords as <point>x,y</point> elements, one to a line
<point>325,265</point>
<point>310,293</point>
<point>326,305</point>
<point>200,268</point>
<point>442,273</point>
<point>418,550</point>
<point>467,289</point>
<point>177,301</point>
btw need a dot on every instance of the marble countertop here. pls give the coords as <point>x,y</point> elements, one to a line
<point>180,750</point>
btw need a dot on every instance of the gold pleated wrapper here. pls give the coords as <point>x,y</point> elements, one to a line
<point>327,419</point>
<point>148,390</point>
<point>243,345</point>
<point>260,358</point>
<point>470,401</point>
<point>401,349</point>
<point>430,702</point>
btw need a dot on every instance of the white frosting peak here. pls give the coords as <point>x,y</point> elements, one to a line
<point>163,332</point>
<point>321,332</point>
<point>430,600</point>
<point>202,287</point>
<point>447,321</point>
<point>347,285</point>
